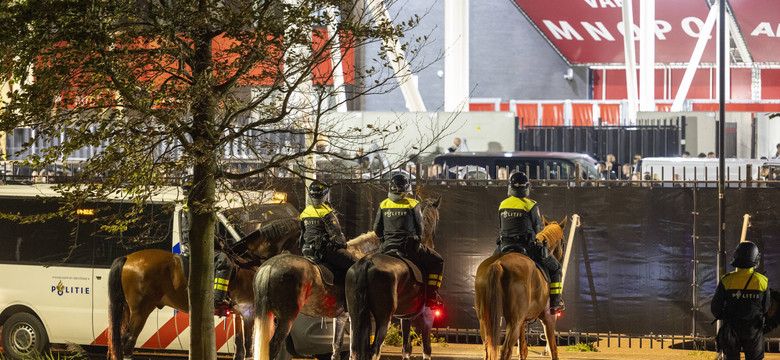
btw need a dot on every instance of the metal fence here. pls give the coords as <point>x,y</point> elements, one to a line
<point>535,337</point>
<point>661,138</point>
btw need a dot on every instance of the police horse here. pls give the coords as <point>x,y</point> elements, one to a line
<point>148,279</point>
<point>512,285</point>
<point>289,284</point>
<point>381,286</point>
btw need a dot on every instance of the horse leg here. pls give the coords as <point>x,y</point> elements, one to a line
<point>283,327</point>
<point>512,335</point>
<point>382,318</point>
<point>425,332</point>
<point>339,328</point>
<point>523,346</point>
<point>239,337</point>
<point>548,320</point>
<point>406,329</point>
<point>135,324</point>
<point>247,323</point>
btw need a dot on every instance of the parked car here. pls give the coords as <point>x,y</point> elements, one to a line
<point>498,165</point>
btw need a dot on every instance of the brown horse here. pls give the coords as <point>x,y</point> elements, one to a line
<point>382,286</point>
<point>287,285</point>
<point>148,279</point>
<point>511,284</point>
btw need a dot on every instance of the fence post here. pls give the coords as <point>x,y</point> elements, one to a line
<point>577,174</point>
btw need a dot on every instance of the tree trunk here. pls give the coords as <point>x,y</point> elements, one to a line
<point>201,203</point>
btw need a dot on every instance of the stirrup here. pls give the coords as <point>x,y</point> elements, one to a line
<point>557,308</point>
<point>223,311</point>
<point>434,303</point>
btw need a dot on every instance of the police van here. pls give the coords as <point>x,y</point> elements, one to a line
<point>54,287</point>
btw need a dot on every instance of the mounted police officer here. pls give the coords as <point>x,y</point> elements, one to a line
<point>321,235</point>
<point>520,221</point>
<point>742,301</point>
<point>399,226</point>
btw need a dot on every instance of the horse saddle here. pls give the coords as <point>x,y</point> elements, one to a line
<point>521,250</point>
<point>413,268</point>
<point>327,272</point>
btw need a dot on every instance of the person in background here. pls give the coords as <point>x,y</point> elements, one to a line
<point>710,155</point>
<point>741,301</point>
<point>777,153</point>
<point>686,154</point>
<point>702,155</point>
<point>455,145</point>
<point>637,157</point>
<point>612,164</point>
<point>626,172</point>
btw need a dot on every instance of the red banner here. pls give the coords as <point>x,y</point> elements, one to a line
<point>591,31</point>
<point>760,24</point>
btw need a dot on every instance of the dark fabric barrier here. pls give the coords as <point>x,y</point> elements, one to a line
<point>633,258</point>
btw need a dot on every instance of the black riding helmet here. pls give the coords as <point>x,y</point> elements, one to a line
<point>317,190</point>
<point>399,184</point>
<point>519,186</point>
<point>746,255</point>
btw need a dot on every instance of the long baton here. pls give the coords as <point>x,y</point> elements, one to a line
<point>575,222</point>
<point>745,226</point>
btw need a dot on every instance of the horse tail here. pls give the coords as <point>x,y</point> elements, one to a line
<point>492,303</point>
<point>360,314</point>
<point>117,305</point>
<point>264,317</point>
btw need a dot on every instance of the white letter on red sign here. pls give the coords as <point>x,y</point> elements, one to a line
<point>688,28</point>
<point>565,31</point>
<point>597,31</point>
<point>661,28</point>
<point>765,29</point>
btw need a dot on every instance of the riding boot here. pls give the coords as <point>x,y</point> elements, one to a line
<point>432,298</point>
<point>223,270</point>
<point>556,302</point>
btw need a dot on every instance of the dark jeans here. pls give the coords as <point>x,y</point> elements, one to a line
<point>741,336</point>
<point>338,257</point>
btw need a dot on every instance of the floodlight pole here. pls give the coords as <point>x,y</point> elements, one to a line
<point>721,132</point>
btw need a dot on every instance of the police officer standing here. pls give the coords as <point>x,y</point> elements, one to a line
<point>321,235</point>
<point>399,226</point>
<point>520,221</point>
<point>741,301</point>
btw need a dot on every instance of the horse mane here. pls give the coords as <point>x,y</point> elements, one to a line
<point>551,233</point>
<point>364,244</point>
<point>430,217</point>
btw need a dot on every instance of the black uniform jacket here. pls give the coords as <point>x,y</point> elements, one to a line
<point>319,223</point>
<point>738,301</point>
<point>519,218</point>
<point>396,222</point>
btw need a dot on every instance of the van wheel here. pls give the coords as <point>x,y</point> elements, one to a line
<point>24,336</point>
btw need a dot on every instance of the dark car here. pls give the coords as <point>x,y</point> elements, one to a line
<point>537,165</point>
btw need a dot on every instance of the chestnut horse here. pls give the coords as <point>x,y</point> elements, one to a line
<point>289,284</point>
<point>148,279</point>
<point>382,286</point>
<point>510,284</point>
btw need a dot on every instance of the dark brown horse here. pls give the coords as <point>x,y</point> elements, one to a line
<point>148,279</point>
<point>287,285</point>
<point>382,286</point>
<point>510,284</point>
